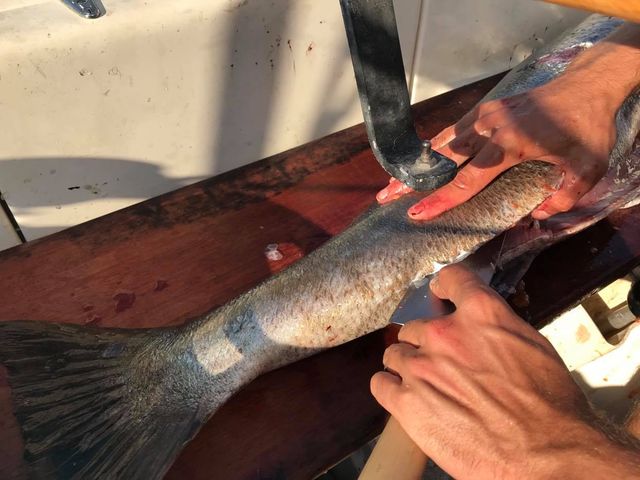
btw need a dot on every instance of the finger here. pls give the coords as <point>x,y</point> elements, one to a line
<point>393,191</point>
<point>458,284</point>
<point>465,145</point>
<point>449,133</point>
<point>385,388</point>
<point>444,137</point>
<point>396,355</point>
<point>413,332</point>
<point>483,120</point>
<point>469,181</point>
<point>486,109</point>
<point>417,332</point>
<point>573,188</point>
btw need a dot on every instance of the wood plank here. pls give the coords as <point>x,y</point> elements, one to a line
<point>174,257</point>
<point>565,274</point>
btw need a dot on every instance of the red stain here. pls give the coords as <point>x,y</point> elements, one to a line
<point>582,334</point>
<point>431,207</point>
<point>124,301</point>
<point>328,328</point>
<point>160,285</point>
<point>93,320</point>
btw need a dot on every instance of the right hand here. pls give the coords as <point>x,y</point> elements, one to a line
<point>486,396</point>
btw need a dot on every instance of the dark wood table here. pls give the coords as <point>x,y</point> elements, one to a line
<point>171,258</point>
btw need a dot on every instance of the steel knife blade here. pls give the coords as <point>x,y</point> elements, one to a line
<point>420,303</point>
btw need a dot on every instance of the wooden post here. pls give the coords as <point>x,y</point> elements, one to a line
<point>395,456</point>
<point>627,9</point>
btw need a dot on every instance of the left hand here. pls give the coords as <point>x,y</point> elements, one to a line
<point>485,395</point>
<point>565,122</point>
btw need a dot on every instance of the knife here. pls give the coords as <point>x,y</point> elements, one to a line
<point>420,303</point>
<point>395,454</point>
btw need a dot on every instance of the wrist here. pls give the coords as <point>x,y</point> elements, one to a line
<point>590,452</point>
<point>609,71</point>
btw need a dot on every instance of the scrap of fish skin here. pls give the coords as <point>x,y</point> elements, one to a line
<point>109,403</point>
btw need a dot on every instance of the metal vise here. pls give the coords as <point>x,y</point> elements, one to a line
<point>377,61</point>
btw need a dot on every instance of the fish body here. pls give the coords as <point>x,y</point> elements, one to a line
<point>113,403</point>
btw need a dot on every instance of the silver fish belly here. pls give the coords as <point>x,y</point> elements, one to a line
<point>112,403</point>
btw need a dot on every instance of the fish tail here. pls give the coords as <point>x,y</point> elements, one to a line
<point>78,400</point>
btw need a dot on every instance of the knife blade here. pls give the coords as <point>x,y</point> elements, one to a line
<point>420,303</point>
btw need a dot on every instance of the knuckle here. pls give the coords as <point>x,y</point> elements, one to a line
<point>381,388</point>
<point>375,384</point>
<point>481,300</point>
<point>451,273</point>
<point>503,137</point>
<point>413,332</point>
<point>562,203</point>
<point>465,143</point>
<point>390,352</point>
<point>477,298</point>
<point>437,330</point>
<point>442,277</point>
<point>484,107</point>
<point>378,384</point>
<point>419,366</point>
<point>480,126</point>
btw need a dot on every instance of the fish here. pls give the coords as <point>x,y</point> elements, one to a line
<point>122,403</point>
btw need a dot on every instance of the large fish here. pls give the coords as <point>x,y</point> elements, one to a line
<point>114,403</point>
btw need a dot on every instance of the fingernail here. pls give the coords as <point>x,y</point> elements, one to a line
<point>540,215</point>
<point>382,194</point>
<point>416,210</point>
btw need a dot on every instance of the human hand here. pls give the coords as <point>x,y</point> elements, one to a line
<point>561,123</point>
<point>485,395</point>
<point>554,123</point>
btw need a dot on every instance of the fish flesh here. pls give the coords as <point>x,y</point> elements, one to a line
<point>118,403</point>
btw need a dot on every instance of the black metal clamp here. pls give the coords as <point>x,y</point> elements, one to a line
<point>377,61</point>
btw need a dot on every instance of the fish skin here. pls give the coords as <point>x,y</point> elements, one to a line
<point>114,403</point>
<point>351,285</point>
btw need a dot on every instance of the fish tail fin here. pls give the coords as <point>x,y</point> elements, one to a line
<point>78,400</point>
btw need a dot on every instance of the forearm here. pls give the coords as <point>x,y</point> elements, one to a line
<point>603,454</point>
<point>611,69</point>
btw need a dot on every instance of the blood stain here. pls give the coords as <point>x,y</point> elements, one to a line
<point>124,301</point>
